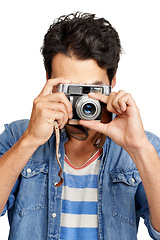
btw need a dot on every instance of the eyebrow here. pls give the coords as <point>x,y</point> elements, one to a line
<point>97,83</point>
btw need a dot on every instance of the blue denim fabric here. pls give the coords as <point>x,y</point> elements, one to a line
<point>34,205</point>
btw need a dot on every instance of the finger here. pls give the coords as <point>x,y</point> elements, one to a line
<point>60,118</point>
<point>55,107</point>
<point>126,101</point>
<point>100,97</point>
<point>105,99</point>
<point>95,125</point>
<point>58,97</point>
<point>116,101</point>
<point>60,107</point>
<point>52,83</point>
<point>58,110</point>
<point>110,106</point>
<point>52,116</point>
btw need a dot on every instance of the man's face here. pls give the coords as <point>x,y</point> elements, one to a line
<point>78,71</point>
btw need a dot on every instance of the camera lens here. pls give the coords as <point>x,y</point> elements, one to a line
<point>89,109</point>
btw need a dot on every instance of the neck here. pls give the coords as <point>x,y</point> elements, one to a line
<point>78,151</point>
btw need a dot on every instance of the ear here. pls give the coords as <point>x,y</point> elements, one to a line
<point>113,81</point>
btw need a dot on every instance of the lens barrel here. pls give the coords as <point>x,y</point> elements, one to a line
<point>88,108</point>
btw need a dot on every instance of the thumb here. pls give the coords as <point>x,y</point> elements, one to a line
<point>95,125</point>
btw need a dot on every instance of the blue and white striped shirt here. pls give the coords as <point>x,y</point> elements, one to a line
<point>79,219</point>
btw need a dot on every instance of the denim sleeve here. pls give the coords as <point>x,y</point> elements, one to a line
<point>141,199</point>
<point>143,211</point>
<point>7,139</point>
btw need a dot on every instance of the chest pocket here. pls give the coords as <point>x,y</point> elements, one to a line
<point>124,186</point>
<point>32,193</point>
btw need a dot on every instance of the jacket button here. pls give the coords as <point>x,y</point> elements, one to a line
<point>132,180</point>
<point>54,215</point>
<point>29,170</point>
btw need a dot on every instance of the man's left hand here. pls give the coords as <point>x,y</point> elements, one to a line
<point>126,129</point>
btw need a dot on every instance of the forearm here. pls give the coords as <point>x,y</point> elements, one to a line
<point>11,165</point>
<point>127,131</point>
<point>148,165</point>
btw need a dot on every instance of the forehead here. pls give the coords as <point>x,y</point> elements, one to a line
<point>78,71</point>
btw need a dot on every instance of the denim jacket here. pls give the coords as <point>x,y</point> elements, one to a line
<point>34,205</point>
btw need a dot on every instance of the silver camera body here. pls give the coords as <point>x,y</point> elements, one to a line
<point>84,107</point>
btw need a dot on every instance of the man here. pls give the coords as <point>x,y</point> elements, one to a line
<point>108,185</point>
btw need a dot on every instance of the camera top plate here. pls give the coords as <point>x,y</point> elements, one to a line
<point>76,89</point>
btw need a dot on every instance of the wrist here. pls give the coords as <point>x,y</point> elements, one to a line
<point>140,154</point>
<point>29,141</point>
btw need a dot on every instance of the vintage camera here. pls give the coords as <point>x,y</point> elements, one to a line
<point>84,107</point>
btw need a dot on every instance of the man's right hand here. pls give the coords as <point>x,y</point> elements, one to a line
<point>47,108</point>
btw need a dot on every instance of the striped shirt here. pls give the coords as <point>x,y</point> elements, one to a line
<point>79,219</point>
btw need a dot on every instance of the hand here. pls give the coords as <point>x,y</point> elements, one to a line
<point>126,129</point>
<point>47,108</point>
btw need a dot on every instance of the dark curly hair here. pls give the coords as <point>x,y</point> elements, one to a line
<point>86,37</point>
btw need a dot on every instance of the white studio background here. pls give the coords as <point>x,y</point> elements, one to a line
<point>22,76</point>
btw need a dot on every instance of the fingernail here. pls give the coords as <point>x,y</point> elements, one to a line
<point>122,108</point>
<point>71,115</point>
<point>118,110</point>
